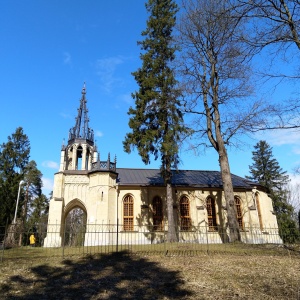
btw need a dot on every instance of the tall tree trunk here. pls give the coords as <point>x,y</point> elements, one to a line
<point>233,225</point>
<point>234,231</point>
<point>171,236</point>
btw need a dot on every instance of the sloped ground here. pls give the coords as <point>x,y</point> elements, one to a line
<point>249,275</point>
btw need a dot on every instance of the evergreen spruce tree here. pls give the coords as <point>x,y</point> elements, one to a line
<point>156,120</point>
<point>267,172</point>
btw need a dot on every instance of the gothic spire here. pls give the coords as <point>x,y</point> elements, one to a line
<point>81,129</point>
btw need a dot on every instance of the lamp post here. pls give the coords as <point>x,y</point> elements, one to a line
<point>15,218</point>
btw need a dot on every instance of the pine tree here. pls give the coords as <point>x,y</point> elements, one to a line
<point>39,210</point>
<point>156,121</point>
<point>14,156</point>
<point>37,221</point>
<point>32,186</point>
<point>267,172</point>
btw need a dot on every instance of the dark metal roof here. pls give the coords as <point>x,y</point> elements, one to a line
<point>151,177</point>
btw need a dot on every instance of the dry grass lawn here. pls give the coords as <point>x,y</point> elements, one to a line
<point>243,275</point>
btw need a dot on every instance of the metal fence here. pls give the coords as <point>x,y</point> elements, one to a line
<point>54,240</point>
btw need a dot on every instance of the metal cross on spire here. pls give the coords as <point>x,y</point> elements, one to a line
<point>81,129</point>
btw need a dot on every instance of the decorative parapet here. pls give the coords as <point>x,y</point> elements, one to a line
<point>88,137</point>
<point>105,165</point>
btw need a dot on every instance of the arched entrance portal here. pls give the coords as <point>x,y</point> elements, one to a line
<point>74,224</point>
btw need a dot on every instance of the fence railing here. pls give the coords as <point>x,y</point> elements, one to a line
<point>51,239</point>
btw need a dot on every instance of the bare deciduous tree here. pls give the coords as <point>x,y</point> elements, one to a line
<point>215,73</point>
<point>274,22</point>
<point>294,200</point>
<point>273,28</point>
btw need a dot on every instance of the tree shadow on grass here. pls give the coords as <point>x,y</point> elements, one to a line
<point>113,276</point>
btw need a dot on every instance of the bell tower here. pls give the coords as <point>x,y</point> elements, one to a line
<point>83,181</point>
<point>80,150</point>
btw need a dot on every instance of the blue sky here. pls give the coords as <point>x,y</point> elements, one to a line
<point>48,49</point>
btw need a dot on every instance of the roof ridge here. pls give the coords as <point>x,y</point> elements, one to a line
<point>145,169</point>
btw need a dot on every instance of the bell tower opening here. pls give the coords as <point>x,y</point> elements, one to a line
<point>79,158</point>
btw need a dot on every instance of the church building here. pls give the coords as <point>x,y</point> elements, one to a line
<point>119,203</point>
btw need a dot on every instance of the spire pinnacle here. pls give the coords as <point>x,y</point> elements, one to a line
<point>81,129</point>
<point>83,92</point>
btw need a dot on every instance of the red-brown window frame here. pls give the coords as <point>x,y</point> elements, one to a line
<point>185,218</point>
<point>211,214</point>
<point>128,213</point>
<point>239,211</point>
<point>158,216</point>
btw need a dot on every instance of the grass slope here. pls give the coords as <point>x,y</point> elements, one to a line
<point>245,274</point>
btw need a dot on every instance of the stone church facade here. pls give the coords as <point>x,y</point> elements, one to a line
<point>133,201</point>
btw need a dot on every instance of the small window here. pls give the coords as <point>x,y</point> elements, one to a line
<point>157,214</point>
<point>211,214</point>
<point>185,219</point>
<point>239,213</point>
<point>259,211</point>
<point>128,213</point>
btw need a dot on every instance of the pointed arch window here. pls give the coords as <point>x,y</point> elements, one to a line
<point>211,214</point>
<point>128,213</point>
<point>239,211</point>
<point>259,211</point>
<point>185,219</point>
<point>157,214</point>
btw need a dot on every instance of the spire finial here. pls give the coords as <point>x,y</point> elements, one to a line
<point>81,129</point>
<point>83,89</point>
